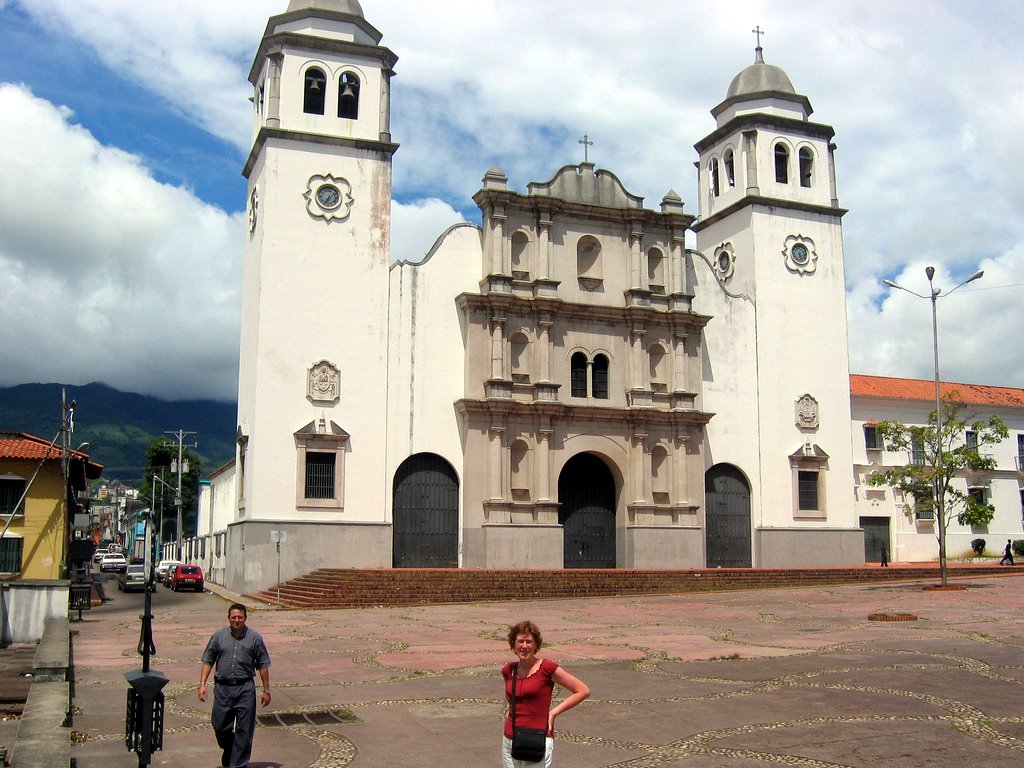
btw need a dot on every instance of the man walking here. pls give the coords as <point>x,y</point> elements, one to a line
<point>1007,554</point>
<point>238,653</point>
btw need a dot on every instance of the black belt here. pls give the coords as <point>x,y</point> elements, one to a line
<point>232,680</point>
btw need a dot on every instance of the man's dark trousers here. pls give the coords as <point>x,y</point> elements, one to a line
<point>234,718</point>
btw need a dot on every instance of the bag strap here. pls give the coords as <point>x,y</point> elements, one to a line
<point>512,706</point>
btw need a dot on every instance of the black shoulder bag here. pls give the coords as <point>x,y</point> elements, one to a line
<point>528,744</point>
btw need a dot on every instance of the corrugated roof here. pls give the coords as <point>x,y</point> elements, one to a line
<point>924,390</point>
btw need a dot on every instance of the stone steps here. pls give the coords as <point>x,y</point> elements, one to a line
<point>355,588</point>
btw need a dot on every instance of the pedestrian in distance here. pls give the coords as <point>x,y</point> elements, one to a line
<point>885,556</point>
<point>238,653</point>
<point>1007,553</point>
<point>529,684</point>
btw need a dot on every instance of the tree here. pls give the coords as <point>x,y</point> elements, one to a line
<point>160,456</point>
<point>937,458</point>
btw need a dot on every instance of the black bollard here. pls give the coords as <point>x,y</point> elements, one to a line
<point>144,718</point>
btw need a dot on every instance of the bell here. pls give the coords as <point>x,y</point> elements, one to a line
<point>347,92</point>
<point>314,84</point>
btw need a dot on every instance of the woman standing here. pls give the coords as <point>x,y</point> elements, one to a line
<point>534,681</point>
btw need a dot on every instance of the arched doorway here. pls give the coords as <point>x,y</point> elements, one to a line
<point>425,514</point>
<point>586,491</point>
<point>727,517</point>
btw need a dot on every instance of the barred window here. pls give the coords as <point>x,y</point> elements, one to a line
<point>319,475</point>
<point>11,490</point>
<point>10,554</point>
<point>807,483</point>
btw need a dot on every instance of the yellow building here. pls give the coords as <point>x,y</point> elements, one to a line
<point>36,531</point>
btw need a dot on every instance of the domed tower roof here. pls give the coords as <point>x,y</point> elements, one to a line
<point>758,82</point>
<point>340,6</point>
<point>760,78</point>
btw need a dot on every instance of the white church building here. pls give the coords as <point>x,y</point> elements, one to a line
<point>564,385</point>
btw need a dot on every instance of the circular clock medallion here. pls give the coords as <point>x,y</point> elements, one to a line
<point>328,197</point>
<point>799,254</point>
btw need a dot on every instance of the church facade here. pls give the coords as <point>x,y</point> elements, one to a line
<point>566,384</point>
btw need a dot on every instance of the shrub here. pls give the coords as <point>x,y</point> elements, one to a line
<point>978,545</point>
<point>1018,547</point>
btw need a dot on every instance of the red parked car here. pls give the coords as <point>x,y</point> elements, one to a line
<point>187,577</point>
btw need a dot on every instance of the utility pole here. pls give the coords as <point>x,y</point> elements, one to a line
<point>180,435</point>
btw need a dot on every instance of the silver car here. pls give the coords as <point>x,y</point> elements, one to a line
<point>133,578</point>
<point>165,568</point>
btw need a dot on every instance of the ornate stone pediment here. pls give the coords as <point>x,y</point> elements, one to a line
<point>582,184</point>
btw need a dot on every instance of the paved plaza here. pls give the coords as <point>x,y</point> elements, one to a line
<point>734,680</point>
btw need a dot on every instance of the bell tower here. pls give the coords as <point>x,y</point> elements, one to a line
<point>314,306</point>
<point>770,231</point>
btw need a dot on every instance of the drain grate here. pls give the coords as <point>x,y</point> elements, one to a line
<point>889,616</point>
<point>310,717</point>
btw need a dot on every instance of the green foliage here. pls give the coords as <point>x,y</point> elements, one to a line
<point>161,460</point>
<point>941,458</point>
<point>978,546</point>
<point>1018,547</point>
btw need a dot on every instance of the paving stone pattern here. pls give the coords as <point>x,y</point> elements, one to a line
<point>795,677</point>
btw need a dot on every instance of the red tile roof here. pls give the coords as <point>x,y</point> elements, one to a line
<point>18,445</point>
<point>924,390</point>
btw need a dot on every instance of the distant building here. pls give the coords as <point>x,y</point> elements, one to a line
<point>37,532</point>
<point>885,515</point>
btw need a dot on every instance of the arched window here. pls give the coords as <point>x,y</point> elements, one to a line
<point>599,381</point>
<point>656,270</point>
<point>781,163</point>
<point>519,476</point>
<point>520,350</point>
<point>659,474</point>
<point>348,96</point>
<point>657,364</point>
<point>715,188</point>
<point>730,168</point>
<point>588,258</point>
<point>578,375</point>
<point>520,256</point>
<point>806,166</point>
<point>315,89</point>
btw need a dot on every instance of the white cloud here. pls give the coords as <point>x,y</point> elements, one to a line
<point>927,117</point>
<point>416,226</point>
<point>105,274</point>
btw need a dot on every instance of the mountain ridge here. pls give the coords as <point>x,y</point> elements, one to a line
<point>120,425</point>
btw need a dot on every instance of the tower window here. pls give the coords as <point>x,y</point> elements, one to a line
<point>781,164</point>
<point>730,168</point>
<point>806,167</point>
<point>348,96</point>
<point>315,92</point>
<point>715,187</point>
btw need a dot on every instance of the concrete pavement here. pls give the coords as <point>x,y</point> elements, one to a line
<point>733,680</point>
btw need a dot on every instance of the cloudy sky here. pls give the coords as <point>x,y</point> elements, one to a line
<point>124,126</point>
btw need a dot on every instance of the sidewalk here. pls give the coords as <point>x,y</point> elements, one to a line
<point>732,680</point>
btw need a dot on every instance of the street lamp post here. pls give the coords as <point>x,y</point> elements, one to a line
<point>939,484</point>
